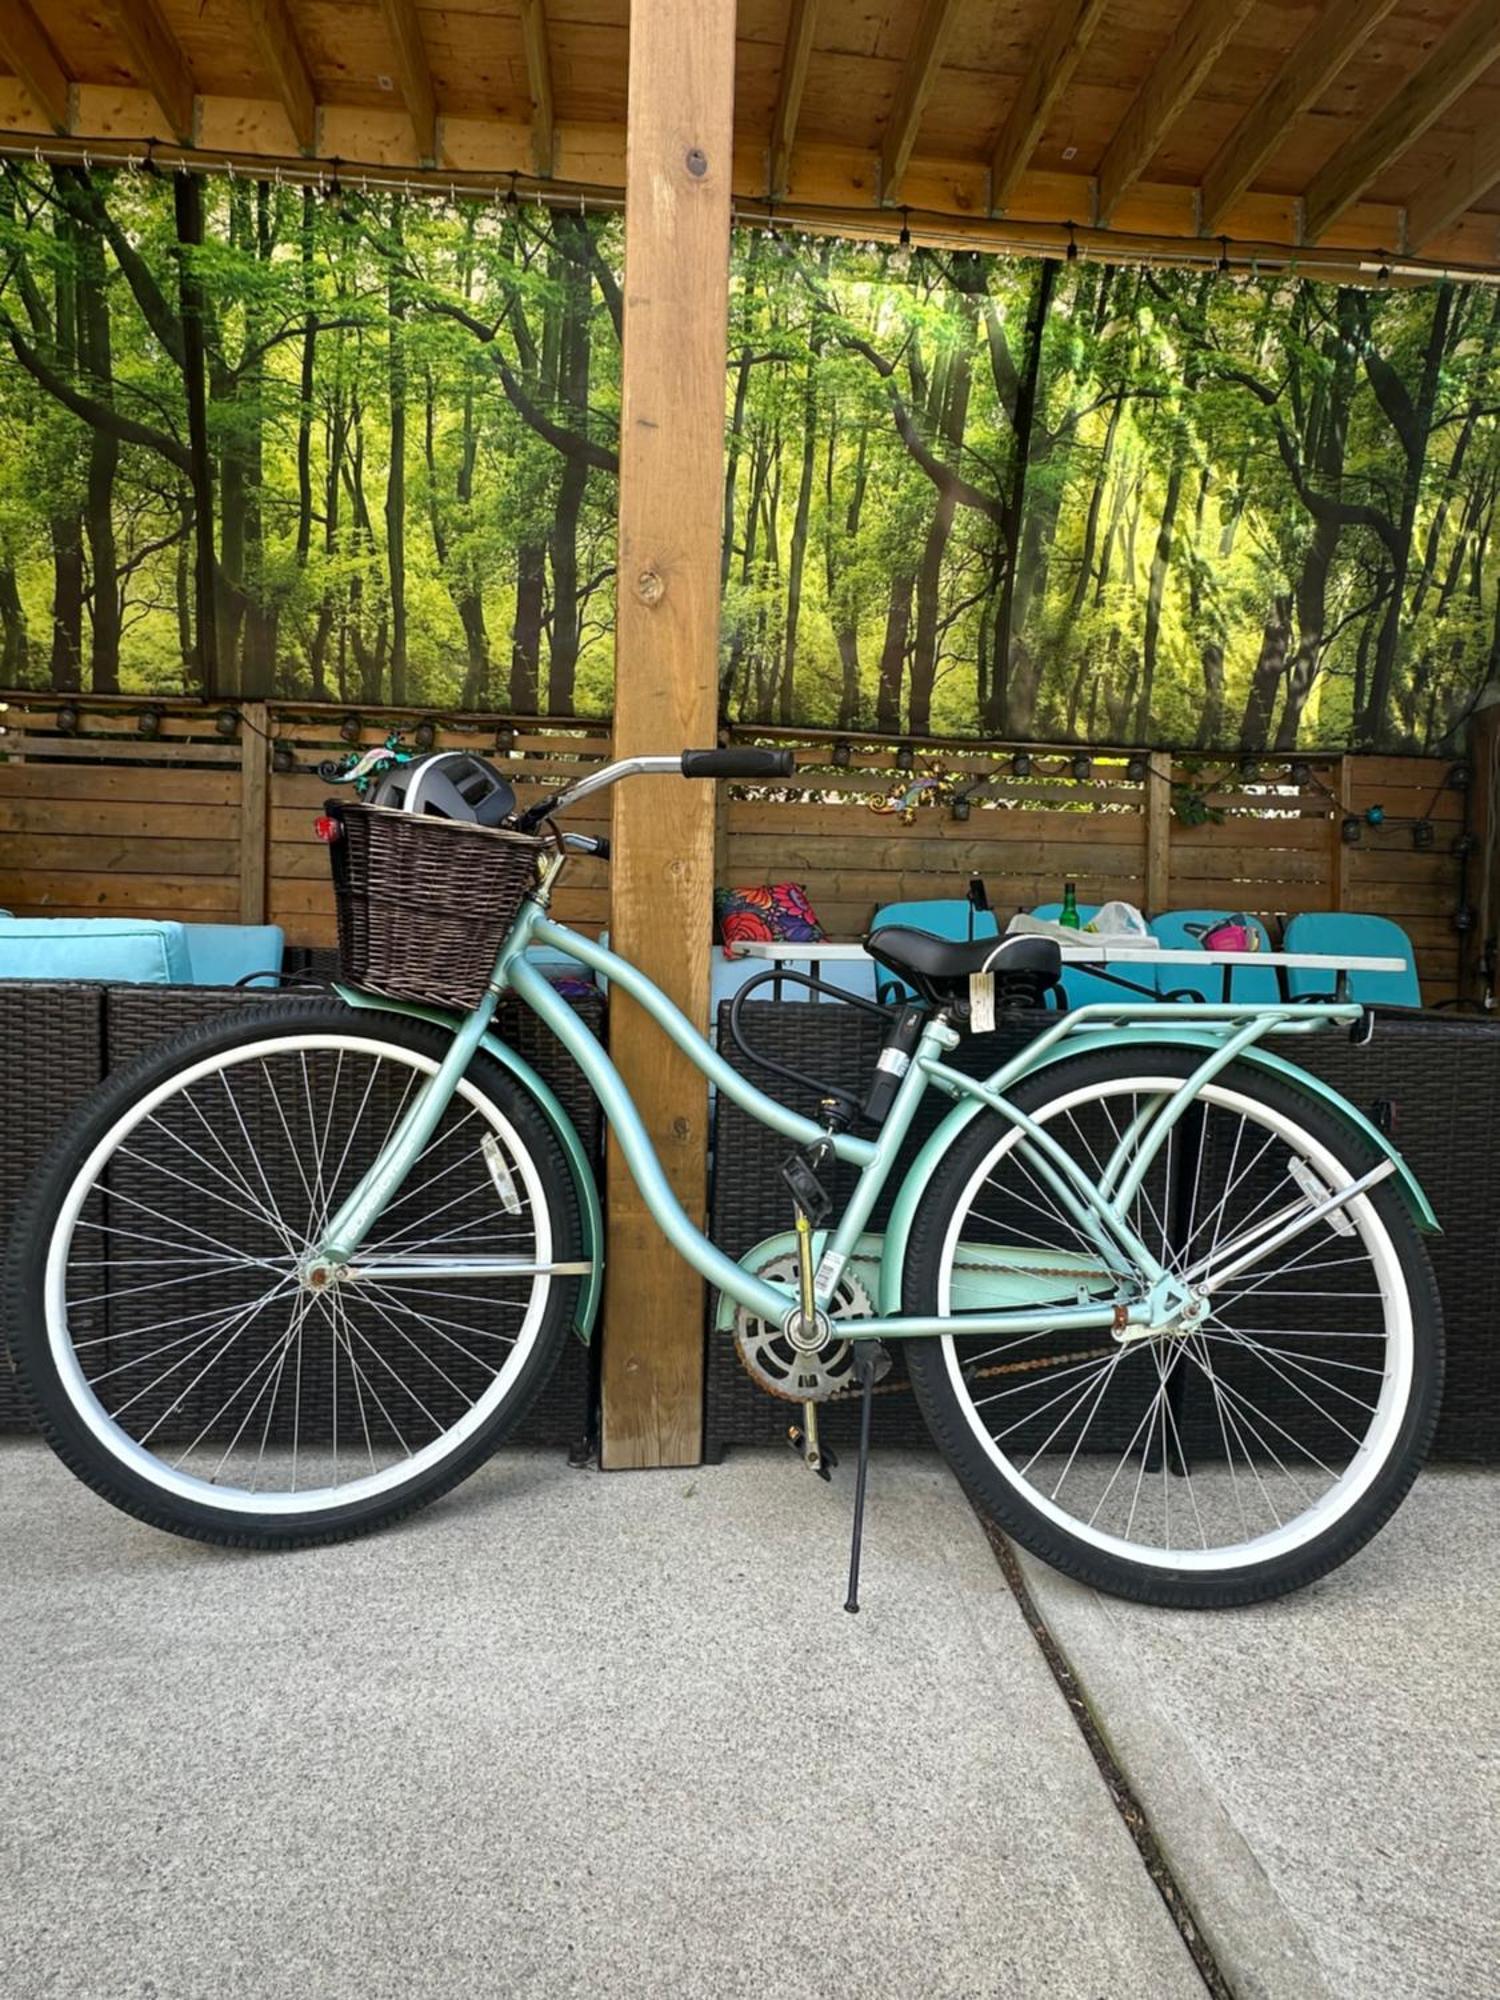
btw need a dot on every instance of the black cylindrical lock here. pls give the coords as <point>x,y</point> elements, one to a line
<point>894,1062</point>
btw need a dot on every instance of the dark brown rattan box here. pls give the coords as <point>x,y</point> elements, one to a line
<point>424,903</point>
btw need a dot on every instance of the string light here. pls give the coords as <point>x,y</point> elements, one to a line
<point>843,756</point>
<point>1072,250</point>
<point>67,719</point>
<point>1021,764</point>
<point>1082,766</point>
<point>149,722</point>
<point>901,255</point>
<point>350,728</point>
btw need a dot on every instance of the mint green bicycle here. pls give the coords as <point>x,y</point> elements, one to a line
<point>1163,1297</point>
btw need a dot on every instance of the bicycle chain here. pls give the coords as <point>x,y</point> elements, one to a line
<point>984,1374</point>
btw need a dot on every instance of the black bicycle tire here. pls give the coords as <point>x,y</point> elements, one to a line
<point>21,1301</point>
<point>1008,1510</point>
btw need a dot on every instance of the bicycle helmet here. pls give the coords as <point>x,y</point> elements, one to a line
<point>450,784</point>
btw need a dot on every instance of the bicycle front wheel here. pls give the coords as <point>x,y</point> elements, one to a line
<point>1234,1455</point>
<point>173,1347</point>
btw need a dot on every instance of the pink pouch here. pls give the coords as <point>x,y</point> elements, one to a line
<point>1232,935</point>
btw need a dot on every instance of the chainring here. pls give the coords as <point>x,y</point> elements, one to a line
<point>775,1365</point>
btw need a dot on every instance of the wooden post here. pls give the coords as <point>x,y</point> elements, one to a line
<point>1159,833</point>
<point>255,786</point>
<point>678,165</point>
<point>1338,847</point>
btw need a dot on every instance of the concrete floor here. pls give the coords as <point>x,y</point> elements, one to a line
<point>1324,1772</point>
<point>562,1734</point>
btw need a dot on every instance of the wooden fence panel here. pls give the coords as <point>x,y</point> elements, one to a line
<point>215,827</point>
<point>99,820</point>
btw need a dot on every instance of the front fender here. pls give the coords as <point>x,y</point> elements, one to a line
<point>586,1309</point>
<point>919,1174</point>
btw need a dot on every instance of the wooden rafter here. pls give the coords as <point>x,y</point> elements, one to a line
<point>1192,52</point>
<point>413,74</point>
<point>794,60</point>
<point>162,66</point>
<point>1456,186</point>
<point>1057,56</point>
<point>1458,61</point>
<point>917,80</point>
<point>1307,72</point>
<point>25,47</point>
<point>277,43</point>
<point>539,77</point>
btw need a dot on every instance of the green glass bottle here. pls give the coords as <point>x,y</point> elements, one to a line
<point>1070,916</point>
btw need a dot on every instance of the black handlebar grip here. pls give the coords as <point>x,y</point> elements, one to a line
<point>738,763</point>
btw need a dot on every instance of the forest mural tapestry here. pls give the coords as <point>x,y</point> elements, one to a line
<point>361,447</point>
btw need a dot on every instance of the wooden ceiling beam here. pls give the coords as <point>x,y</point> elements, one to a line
<point>1302,79</point>
<point>156,56</point>
<point>413,72</point>
<point>1196,45</point>
<point>1056,57</point>
<point>277,43</point>
<point>1456,186</point>
<point>1458,61</point>
<point>25,47</point>
<point>917,79</point>
<point>539,77</point>
<point>795,56</point>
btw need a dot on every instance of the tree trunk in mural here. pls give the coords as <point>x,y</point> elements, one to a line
<point>1411,419</point>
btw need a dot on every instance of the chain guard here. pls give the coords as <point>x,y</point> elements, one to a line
<point>771,1361</point>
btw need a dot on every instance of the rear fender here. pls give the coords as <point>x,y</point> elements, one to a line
<point>586,1309</point>
<point>922,1169</point>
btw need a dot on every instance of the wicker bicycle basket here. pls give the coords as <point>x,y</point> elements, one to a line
<point>424,903</point>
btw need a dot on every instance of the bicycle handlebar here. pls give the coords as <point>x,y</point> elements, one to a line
<point>690,764</point>
<point>738,763</point>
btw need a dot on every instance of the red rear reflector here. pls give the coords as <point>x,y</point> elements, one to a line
<point>327,829</point>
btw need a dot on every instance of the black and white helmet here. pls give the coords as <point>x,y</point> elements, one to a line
<point>450,784</point>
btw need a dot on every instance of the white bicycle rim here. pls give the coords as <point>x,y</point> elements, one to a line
<point>1373,1449</point>
<point>313,1500</point>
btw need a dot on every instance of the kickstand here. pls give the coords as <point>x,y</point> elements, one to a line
<point>868,1355</point>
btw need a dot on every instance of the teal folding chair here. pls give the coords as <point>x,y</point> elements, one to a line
<point>1347,932</point>
<point>1177,930</point>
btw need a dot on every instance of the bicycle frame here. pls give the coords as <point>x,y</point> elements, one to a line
<point>1218,1033</point>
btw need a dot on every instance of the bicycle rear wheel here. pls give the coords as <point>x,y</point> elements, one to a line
<point>1228,1458</point>
<point>160,1318</point>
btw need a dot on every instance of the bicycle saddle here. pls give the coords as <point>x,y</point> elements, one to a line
<point>921,956</point>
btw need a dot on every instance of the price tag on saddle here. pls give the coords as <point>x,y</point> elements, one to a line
<point>981,1002</point>
<point>808,1192</point>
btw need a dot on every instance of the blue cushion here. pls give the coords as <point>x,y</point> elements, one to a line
<point>224,954</point>
<point>123,950</point>
<point>944,917</point>
<point>1334,931</point>
<point>1251,983</point>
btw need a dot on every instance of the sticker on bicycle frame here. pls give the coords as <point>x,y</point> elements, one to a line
<point>830,1270</point>
<point>500,1173</point>
<point>981,1002</point>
